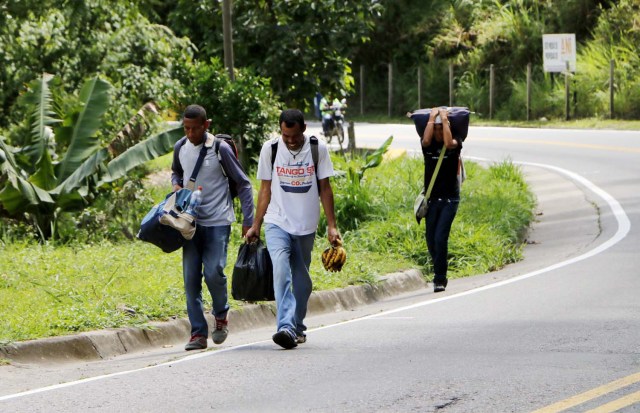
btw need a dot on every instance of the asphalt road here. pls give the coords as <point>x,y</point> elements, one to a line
<point>559,331</point>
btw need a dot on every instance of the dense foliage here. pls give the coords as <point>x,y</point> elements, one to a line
<point>75,40</point>
<point>245,108</point>
<point>62,163</point>
<point>303,46</point>
<point>472,35</point>
<point>168,54</point>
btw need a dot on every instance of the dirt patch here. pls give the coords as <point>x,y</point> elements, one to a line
<point>158,178</point>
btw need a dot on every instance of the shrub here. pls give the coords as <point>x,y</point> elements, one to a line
<point>245,108</point>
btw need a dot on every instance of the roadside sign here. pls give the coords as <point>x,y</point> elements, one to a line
<point>557,50</point>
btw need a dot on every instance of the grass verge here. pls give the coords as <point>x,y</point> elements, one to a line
<point>48,290</point>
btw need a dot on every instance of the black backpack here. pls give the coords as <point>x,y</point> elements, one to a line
<point>221,137</point>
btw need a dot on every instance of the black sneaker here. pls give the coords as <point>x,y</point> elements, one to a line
<point>438,287</point>
<point>285,339</point>
<point>197,342</point>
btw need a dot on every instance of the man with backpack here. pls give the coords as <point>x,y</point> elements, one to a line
<point>205,255</point>
<point>294,171</point>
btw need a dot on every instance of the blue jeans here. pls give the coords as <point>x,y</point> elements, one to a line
<point>291,258</point>
<point>440,215</point>
<point>205,255</point>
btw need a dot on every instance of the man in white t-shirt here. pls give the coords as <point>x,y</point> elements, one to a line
<point>288,204</point>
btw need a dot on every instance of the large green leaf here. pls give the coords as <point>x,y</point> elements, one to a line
<point>44,176</point>
<point>82,139</point>
<point>38,98</point>
<point>374,159</point>
<point>135,130</point>
<point>79,177</point>
<point>144,151</point>
<point>8,163</point>
<point>18,194</point>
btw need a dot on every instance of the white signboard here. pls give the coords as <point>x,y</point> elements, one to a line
<point>557,50</point>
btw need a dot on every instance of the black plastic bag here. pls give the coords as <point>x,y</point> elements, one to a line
<point>253,274</point>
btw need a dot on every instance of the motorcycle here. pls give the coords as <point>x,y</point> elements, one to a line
<point>335,122</point>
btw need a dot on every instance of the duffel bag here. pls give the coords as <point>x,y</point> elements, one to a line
<point>458,120</point>
<point>167,225</point>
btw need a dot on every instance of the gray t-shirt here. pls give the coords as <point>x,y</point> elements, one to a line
<point>217,206</point>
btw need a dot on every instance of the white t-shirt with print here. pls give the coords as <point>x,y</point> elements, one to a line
<point>294,206</point>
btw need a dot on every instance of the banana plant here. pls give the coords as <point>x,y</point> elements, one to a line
<point>371,161</point>
<point>36,187</point>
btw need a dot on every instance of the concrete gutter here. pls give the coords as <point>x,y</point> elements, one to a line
<point>103,344</point>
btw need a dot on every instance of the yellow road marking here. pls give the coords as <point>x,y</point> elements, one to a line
<point>590,394</point>
<point>616,405</point>
<point>394,153</point>
<point>556,143</point>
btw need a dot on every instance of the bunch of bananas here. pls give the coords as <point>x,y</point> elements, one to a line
<point>334,257</point>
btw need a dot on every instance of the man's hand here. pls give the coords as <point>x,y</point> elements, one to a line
<point>433,114</point>
<point>176,188</point>
<point>443,114</point>
<point>245,229</point>
<point>252,234</point>
<point>333,235</point>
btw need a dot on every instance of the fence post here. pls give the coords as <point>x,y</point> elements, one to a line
<point>361,89</point>
<point>611,87</point>
<point>390,89</point>
<point>351,132</point>
<point>227,37</point>
<point>491,86</point>
<point>450,84</point>
<point>419,86</point>
<point>528,91</point>
<point>566,92</point>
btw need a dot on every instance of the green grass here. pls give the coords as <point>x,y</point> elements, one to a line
<point>50,290</point>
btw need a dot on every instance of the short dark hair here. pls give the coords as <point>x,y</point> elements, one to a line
<point>291,116</point>
<point>195,112</point>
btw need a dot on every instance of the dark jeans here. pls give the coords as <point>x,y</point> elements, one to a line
<point>439,218</point>
<point>205,256</point>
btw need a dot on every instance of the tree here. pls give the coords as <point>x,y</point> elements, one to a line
<point>245,108</point>
<point>37,187</point>
<point>303,46</point>
<point>75,40</point>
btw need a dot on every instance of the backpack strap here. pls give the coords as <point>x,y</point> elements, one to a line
<point>203,152</point>
<point>314,152</point>
<point>274,151</point>
<point>216,147</point>
<point>435,173</point>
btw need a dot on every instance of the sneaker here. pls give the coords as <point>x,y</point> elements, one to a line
<point>301,338</point>
<point>285,339</point>
<point>219,335</point>
<point>197,342</point>
<point>437,288</point>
